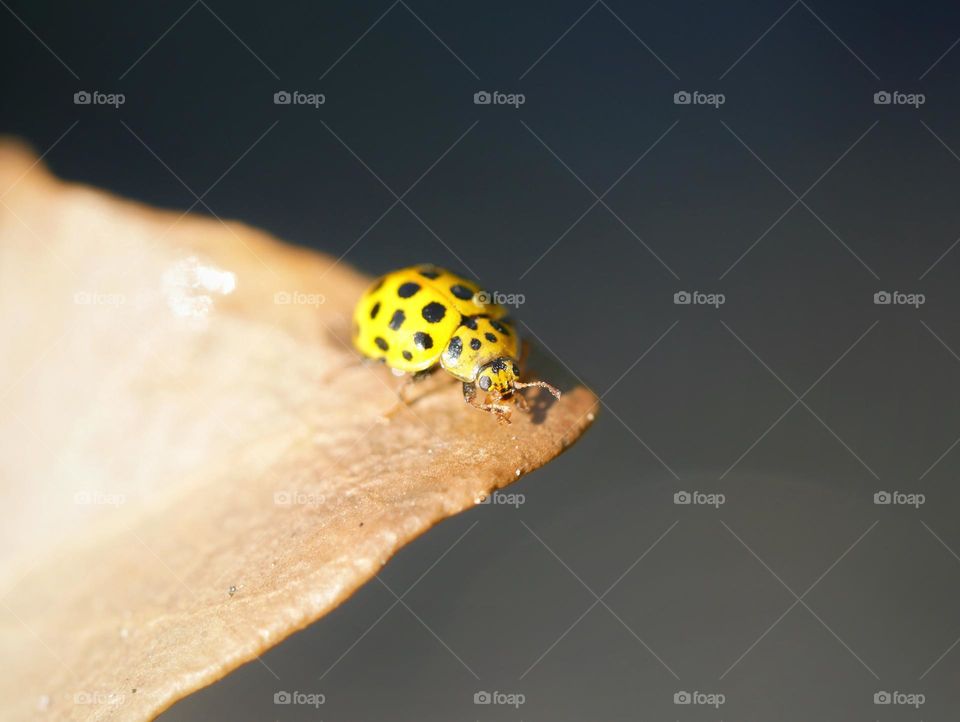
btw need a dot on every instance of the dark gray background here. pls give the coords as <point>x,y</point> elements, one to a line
<point>696,398</point>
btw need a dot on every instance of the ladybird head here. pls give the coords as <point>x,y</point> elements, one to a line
<point>501,378</point>
<point>498,376</point>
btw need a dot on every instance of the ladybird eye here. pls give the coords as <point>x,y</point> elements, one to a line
<point>484,383</point>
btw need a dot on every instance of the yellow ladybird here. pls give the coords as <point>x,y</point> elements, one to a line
<point>424,317</point>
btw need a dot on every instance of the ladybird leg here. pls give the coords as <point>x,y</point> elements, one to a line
<point>412,381</point>
<point>502,411</point>
<point>521,401</point>
<point>404,399</point>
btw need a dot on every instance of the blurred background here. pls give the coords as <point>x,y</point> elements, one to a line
<point>737,222</point>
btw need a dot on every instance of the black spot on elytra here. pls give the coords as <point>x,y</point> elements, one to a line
<point>381,344</point>
<point>454,348</point>
<point>461,292</point>
<point>396,321</point>
<point>434,312</point>
<point>484,383</point>
<point>490,337</point>
<point>408,289</point>
<point>423,340</point>
<point>500,327</point>
<point>429,273</point>
<point>475,344</point>
<point>407,355</point>
<point>375,310</point>
<point>470,322</point>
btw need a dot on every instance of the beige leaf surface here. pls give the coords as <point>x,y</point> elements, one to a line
<point>194,462</point>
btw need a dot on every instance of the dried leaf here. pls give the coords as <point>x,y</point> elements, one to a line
<point>195,462</point>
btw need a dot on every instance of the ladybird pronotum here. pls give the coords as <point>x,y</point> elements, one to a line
<point>421,318</point>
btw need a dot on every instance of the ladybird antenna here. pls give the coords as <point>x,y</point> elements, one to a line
<point>541,384</point>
